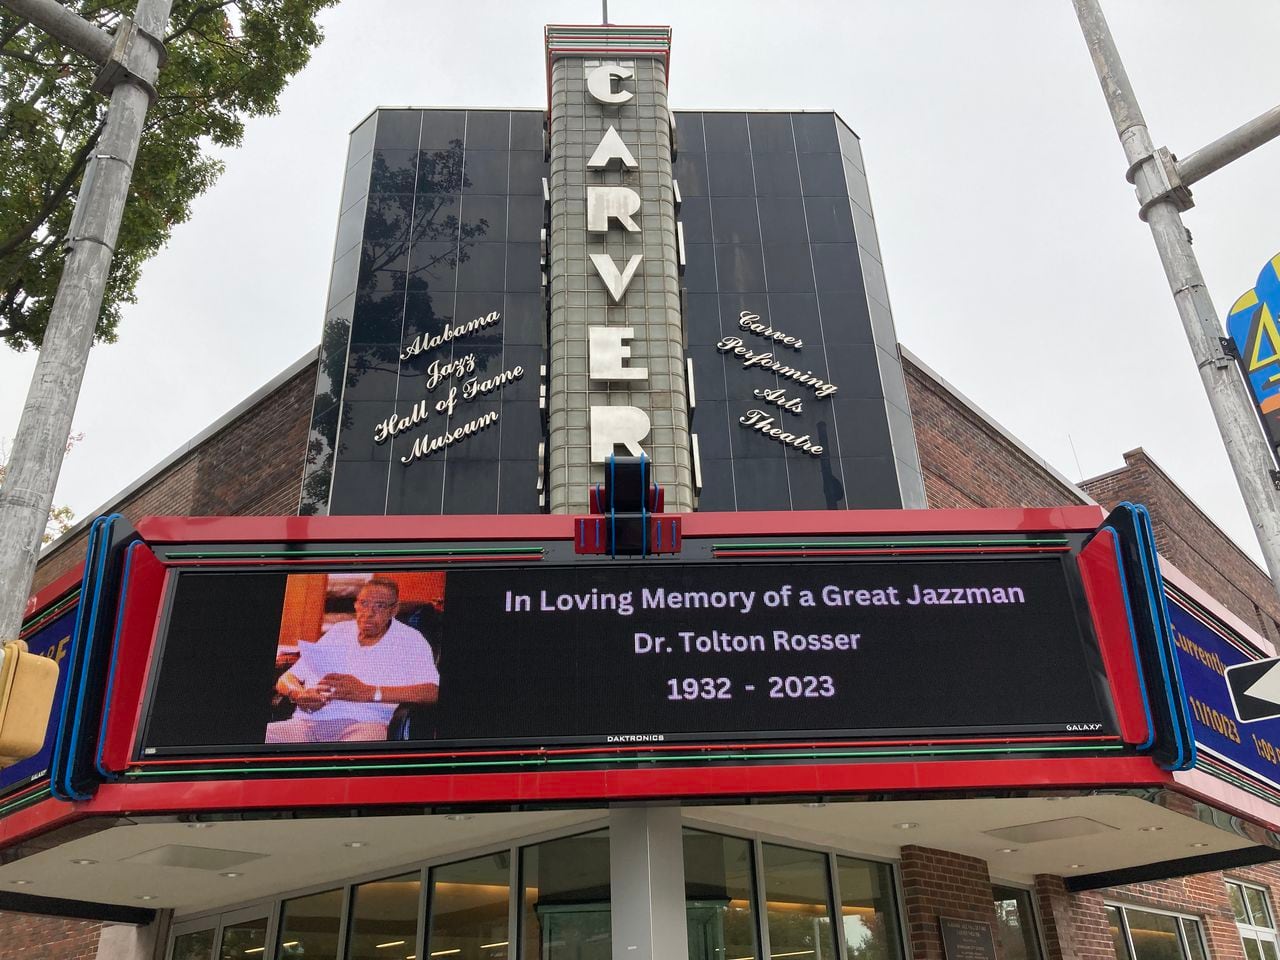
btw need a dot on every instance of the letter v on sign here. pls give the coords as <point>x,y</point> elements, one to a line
<point>1255,689</point>
<point>615,281</point>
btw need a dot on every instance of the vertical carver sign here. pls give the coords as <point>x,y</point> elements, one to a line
<point>617,382</point>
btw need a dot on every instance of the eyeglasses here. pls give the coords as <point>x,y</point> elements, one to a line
<point>375,604</point>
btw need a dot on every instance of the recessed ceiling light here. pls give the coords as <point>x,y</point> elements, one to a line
<point>146,896</point>
<point>1200,844</point>
<point>1008,850</point>
<point>815,805</point>
<point>1150,829</point>
<point>906,826</point>
<point>1074,866</point>
<point>83,863</point>
<point>199,826</point>
<point>356,844</point>
<point>20,883</point>
<point>231,874</point>
<point>460,817</point>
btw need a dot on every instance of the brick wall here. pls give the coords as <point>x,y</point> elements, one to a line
<point>1074,925</point>
<point>968,463</point>
<point>937,883</point>
<point>252,467</point>
<point>27,937</point>
<point>1191,540</point>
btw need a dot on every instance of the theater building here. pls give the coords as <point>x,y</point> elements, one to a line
<point>610,584</point>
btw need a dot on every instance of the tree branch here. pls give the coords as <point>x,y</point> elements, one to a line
<point>55,196</point>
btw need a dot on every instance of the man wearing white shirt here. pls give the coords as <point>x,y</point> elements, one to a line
<point>371,665</point>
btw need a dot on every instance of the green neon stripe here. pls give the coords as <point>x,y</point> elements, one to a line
<point>428,552</point>
<point>545,761</point>
<point>51,614</point>
<point>24,801</point>
<point>890,543</point>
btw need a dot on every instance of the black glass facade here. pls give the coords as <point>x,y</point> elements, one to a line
<point>428,400</point>
<point>437,284</point>
<point>777,229</point>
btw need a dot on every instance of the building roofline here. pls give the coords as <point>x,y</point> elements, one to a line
<point>991,422</point>
<point>224,421</point>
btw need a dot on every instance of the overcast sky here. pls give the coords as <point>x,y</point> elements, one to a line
<point>1016,264</point>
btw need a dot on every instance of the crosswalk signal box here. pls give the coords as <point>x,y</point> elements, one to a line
<point>27,684</point>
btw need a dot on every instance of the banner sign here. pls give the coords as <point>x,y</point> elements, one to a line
<point>52,640</point>
<point>623,653</point>
<point>1204,654</point>
<point>1252,326</point>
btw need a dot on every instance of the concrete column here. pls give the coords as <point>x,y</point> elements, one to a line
<point>646,876</point>
<point>580,299</point>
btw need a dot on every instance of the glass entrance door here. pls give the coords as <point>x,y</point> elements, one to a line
<point>244,935</point>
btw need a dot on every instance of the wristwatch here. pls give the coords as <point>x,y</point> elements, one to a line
<point>377,694</point>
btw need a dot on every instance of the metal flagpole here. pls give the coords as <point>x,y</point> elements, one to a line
<point>130,59</point>
<point>1162,184</point>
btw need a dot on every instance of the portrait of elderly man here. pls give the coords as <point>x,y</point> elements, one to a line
<point>347,686</point>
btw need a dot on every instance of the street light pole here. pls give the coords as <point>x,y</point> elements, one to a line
<point>1162,184</point>
<point>130,60</point>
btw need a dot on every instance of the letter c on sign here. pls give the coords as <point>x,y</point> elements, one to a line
<point>600,83</point>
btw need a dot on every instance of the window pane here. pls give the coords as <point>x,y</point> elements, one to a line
<point>469,904</point>
<point>1015,924</point>
<point>1194,943</point>
<point>384,919</point>
<point>197,945</point>
<point>1155,935</point>
<point>1117,934</point>
<point>1251,950</point>
<point>1268,949</point>
<point>244,941</point>
<point>719,897</point>
<point>868,911</point>
<point>1237,903</point>
<point>566,899</point>
<point>797,895</point>
<point>1257,907</point>
<point>309,927</point>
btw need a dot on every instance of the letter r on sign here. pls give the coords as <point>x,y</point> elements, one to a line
<point>611,426</point>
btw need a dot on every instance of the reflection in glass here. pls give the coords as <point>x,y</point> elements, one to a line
<point>196,945</point>
<point>566,899</point>
<point>719,897</point>
<point>1191,930</point>
<point>244,941</point>
<point>868,911</point>
<point>1237,903</point>
<point>309,927</point>
<point>1117,934</point>
<point>1015,924</point>
<point>384,919</point>
<point>1261,916</point>
<point>469,902</point>
<point>1154,935</point>
<point>797,903</point>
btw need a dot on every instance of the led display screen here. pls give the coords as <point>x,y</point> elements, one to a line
<point>619,653</point>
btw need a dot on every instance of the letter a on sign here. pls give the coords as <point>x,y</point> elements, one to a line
<point>616,281</point>
<point>612,148</point>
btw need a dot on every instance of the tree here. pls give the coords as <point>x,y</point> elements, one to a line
<point>61,516</point>
<point>227,60</point>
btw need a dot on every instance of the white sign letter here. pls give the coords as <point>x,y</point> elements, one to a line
<point>612,148</point>
<point>611,426</point>
<point>617,203</point>
<point>605,352</point>
<point>600,83</point>
<point>614,280</point>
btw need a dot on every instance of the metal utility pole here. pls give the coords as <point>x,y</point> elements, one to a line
<point>1162,183</point>
<point>130,59</point>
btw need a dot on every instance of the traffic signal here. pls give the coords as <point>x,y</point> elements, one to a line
<point>27,683</point>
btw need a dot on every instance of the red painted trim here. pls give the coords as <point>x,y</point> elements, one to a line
<point>881,551</point>
<point>54,591</point>
<point>1105,591</point>
<point>1225,796</point>
<point>589,786</point>
<point>139,623</point>
<point>637,749</point>
<point>165,530</point>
